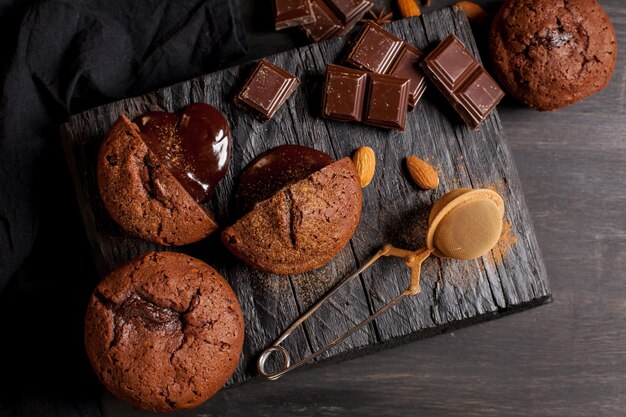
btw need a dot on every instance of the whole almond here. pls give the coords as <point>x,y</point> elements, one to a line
<point>474,12</point>
<point>422,173</point>
<point>365,162</point>
<point>409,8</point>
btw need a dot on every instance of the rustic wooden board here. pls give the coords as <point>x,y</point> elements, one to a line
<point>453,293</point>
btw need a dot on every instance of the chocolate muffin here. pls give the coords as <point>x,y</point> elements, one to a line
<point>302,226</point>
<point>549,54</point>
<point>164,332</point>
<point>141,194</point>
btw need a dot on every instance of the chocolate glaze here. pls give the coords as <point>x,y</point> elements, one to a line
<point>150,315</point>
<point>195,146</point>
<point>553,38</point>
<point>275,169</point>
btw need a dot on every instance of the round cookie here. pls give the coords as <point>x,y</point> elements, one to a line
<point>164,332</point>
<point>142,196</point>
<point>549,54</point>
<point>302,226</point>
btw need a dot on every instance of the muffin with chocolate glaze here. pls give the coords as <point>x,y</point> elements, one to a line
<point>155,173</point>
<point>164,332</point>
<point>549,54</point>
<point>302,225</point>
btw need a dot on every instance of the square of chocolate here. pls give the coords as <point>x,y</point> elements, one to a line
<point>451,62</point>
<point>462,80</point>
<point>387,101</point>
<point>406,66</point>
<point>290,13</point>
<point>374,49</point>
<point>364,7</point>
<point>348,10</point>
<point>266,90</point>
<point>326,24</point>
<point>344,93</point>
<point>478,96</point>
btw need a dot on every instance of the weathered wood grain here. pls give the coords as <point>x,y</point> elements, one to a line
<point>453,293</point>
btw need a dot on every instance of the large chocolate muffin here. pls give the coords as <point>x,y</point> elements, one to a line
<point>303,225</point>
<point>141,194</point>
<point>549,54</point>
<point>164,332</point>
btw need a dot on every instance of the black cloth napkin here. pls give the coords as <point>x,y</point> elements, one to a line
<point>58,58</point>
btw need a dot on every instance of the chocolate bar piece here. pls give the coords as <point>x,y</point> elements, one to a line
<point>364,8</point>
<point>347,10</point>
<point>344,93</point>
<point>377,50</point>
<point>406,66</point>
<point>290,13</point>
<point>266,90</point>
<point>326,24</point>
<point>374,49</point>
<point>387,101</point>
<point>375,99</point>
<point>462,80</point>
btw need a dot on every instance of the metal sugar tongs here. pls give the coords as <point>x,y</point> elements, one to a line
<point>463,224</point>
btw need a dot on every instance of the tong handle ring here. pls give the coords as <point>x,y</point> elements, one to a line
<point>260,366</point>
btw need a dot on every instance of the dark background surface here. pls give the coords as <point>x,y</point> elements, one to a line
<point>564,359</point>
<point>567,358</point>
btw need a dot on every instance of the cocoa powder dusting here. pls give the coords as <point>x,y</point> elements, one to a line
<point>505,243</point>
<point>309,287</point>
<point>263,283</point>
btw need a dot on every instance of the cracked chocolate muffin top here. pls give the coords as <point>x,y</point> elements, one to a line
<point>141,194</point>
<point>164,332</point>
<point>549,54</point>
<point>302,226</point>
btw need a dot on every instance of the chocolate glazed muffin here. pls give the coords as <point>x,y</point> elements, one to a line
<point>141,194</point>
<point>302,226</point>
<point>549,54</point>
<point>164,332</point>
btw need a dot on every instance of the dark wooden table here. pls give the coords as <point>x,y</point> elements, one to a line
<point>567,358</point>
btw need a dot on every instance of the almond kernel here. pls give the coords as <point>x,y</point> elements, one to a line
<point>424,175</point>
<point>365,162</point>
